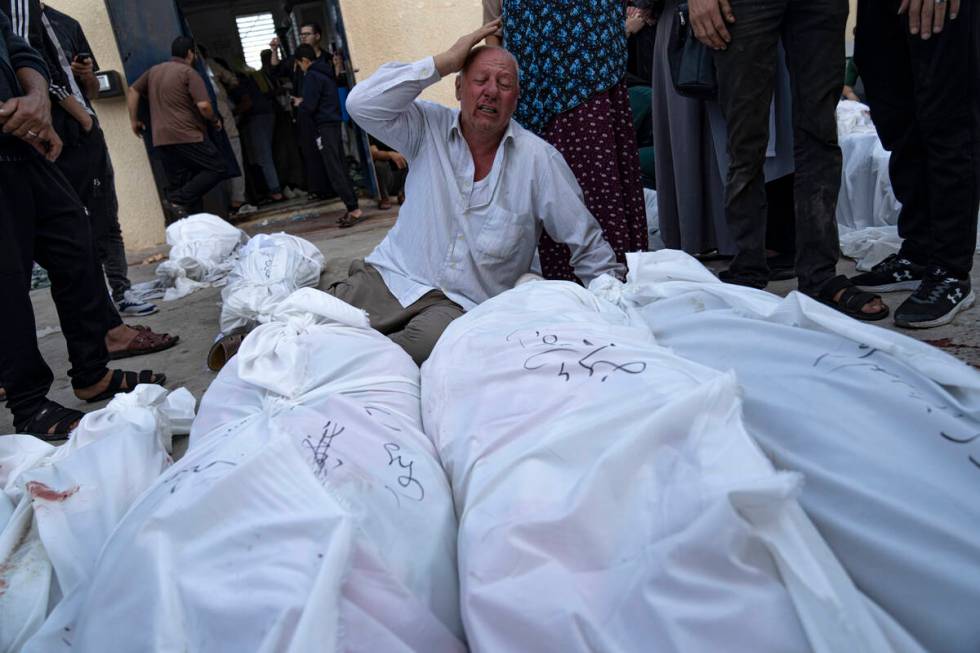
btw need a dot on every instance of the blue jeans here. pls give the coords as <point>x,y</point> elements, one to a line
<point>261,129</point>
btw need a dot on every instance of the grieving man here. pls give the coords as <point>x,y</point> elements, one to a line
<point>479,192</point>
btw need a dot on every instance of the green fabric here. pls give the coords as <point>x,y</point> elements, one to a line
<point>648,171</point>
<point>641,102</point>
<point>850,73</point>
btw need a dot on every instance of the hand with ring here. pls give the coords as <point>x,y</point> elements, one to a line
<point>928,17</point>
<point>28,117</point>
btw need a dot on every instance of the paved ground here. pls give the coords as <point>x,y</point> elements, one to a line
<point>195,317</point>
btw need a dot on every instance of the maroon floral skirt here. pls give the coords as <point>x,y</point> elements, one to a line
<point>599,145</point>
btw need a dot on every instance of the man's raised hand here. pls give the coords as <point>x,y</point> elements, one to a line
<point>452,60</point>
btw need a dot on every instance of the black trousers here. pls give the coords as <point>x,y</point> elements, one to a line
<point>924,103</point>
<point>331,147</point>
<point>192,169</point>
<point>41,219</point>
<point>316,175</point>
<point>813,36</point>
<point>83,162</point>
<point>391,180</point>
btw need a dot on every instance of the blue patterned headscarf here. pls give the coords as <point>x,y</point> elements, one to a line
<point>568,51</point>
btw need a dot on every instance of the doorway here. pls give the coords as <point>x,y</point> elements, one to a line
<point>233,33</point>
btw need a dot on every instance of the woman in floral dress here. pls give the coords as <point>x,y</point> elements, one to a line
<point>572,57</point>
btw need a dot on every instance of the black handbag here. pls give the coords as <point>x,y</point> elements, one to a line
<point>692,65</point>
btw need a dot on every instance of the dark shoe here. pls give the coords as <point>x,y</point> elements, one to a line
<point>851,301</point>
<point>729,277</point>
<point>51,423</point>
<point>175,211</point>
<point>936,301</point>
<point>782,267</point>
<point>122,382</point>
<point>891,275</point>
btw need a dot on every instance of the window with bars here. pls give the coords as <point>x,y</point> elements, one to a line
<point>255,31</point>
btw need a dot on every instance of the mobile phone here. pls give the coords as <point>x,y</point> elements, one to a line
<point>82,56</point>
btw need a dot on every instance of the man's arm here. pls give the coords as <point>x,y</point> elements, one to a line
<point>199,94</point>
<point>384,104</point>
<point>560,206</point>
<point>207,112</point>
<point>133,104</point>
<point>84,70</point>
<point>491,12</point>
<point>75,109</point>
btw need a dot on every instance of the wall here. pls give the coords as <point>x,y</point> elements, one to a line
<point>140,213</point>
<point>380,31</point>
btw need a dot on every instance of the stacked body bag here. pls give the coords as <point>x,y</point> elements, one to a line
<point>671,464</point>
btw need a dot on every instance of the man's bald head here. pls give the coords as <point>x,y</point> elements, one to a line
<point>494,50</point>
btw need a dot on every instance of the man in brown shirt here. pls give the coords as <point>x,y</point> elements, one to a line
<point>180,110</point>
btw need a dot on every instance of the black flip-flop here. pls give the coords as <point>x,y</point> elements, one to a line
<point>51,423</point>
<point>851,301</point>
<point>131,379</point>
<point>348,221</point>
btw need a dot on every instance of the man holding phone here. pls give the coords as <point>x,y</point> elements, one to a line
<point>86,160</point>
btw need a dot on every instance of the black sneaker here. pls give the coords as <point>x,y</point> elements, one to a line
<point>891,275</point>
<point>936,301</point>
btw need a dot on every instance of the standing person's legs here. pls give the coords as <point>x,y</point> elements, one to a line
<point>881,52</point>
<point>316,176</point>
<point>385,181</point>
<point>196,167</point>
<point>81,165</point>
<point>813,35</point>
<point>237,184</point>
<point>42,219</point>
<point>112,250</point>
<point>947,89</point>
<point>261,129</point>
<point>746,78</point>
<point>332,151</point>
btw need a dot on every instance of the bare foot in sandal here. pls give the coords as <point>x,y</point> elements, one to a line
<point>118,382</point>
<point>841,294</point>
<point>124,341</point>
<point>51,422</point>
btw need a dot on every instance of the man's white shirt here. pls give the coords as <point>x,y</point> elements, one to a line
<point>471,240</point>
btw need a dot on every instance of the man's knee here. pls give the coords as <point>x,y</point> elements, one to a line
<point>420,336</point>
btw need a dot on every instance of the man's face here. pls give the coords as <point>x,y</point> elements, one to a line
<point>308,36</point>
<point>304,64</point>
<point>488,92</point>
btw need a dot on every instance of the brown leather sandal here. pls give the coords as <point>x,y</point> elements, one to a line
<point>224,348</point>
<point>145,342</point>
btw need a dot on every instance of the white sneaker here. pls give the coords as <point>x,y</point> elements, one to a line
<point>129,306</point>
<point>246,209</point>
